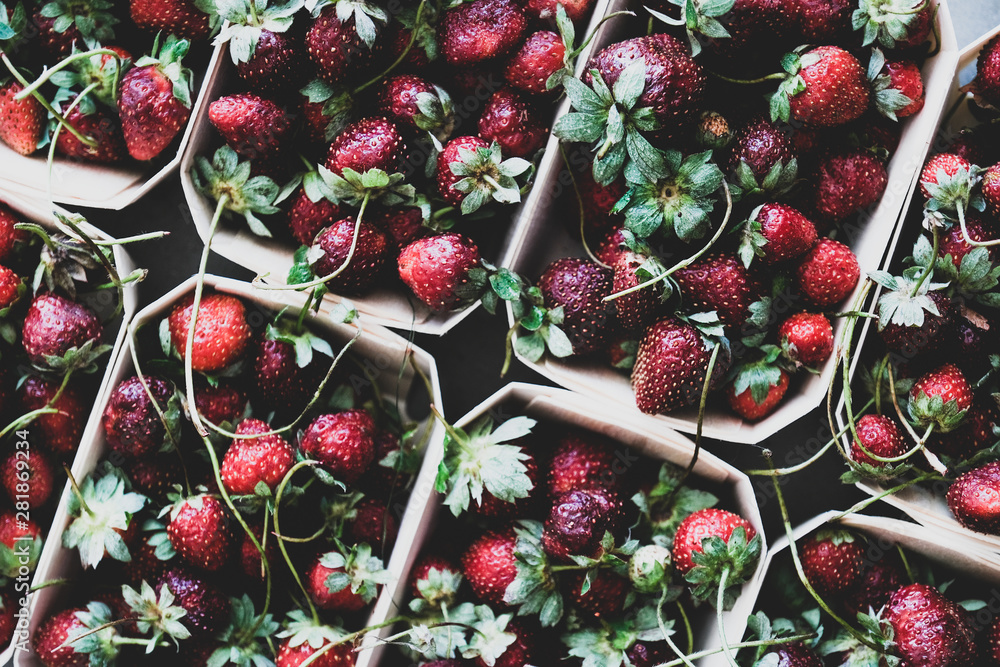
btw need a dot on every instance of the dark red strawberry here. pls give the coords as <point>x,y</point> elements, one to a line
<point>99,126</point>
<point>832,562</point>
<point>54,324</point>
<point>56,43</point>
<point>221,402</point>
<point>154,100</point>
<point>986,85</point>
<point>745,405</point>
<point>521,653</point>
<point>670,367</point>
<point>371,254</point>
<point>207,608</point>
<point>606,596</point>
<point>494,508</point>
<point>579,287</point>
<point>155,476</point>
<point>636,309</point>
<point>991,643</point>
<point>991,193</point>
<point>948,385</point>
<point>904,76</point>
<point>701,525</point>
<point>278,63</point>
<point>942,164</point>
<point>612,247</point>
<point>513,122</point>
<point>434,567</point>
<point>282,385</point>
<point>973,434</point>
<point>453,153</point>
<point>200,532</point>
<point>250,561</point>
<point>539,57</point>
<point>374,524</point>
<point>343,443</point>
<point>342,655</point>
<point>880,436</point>
<point>879,580</point>
<point>828,273</point>
<point>761,144</point>
<point>400,100</point>
<point>719,282</point>
<point>179,17</point>
<point>251,125</point>
<point>788,233</point>
<point>578,521</point>
<point>834,88</point>
<point>28,477</point>
<point>370,143</point>
<point>221,333</point>
<point>757,28</point>
<point>436,269</point>
<point>250,461</point>
<point>598,200</point>
<point>480,30</point>
<point>845,183</point>
<point>51,637</point>
<point>806,339</point>
<point>545,10</point>
<point>795,654</point>
<point>930,629</point>
<point>489,565</point>
<point>583,461</point>
<point>823,21</point>
<point>307,217</point>
<point>61,431</point>
<point>9,236</point>
<point>8,607</point>
<point>397,40</point>
<point>974,499</point>
<point>402,225</point>
<point>132,425</point>
<point>929,336</point>
<point>649,654</point>
<point>336,49</point>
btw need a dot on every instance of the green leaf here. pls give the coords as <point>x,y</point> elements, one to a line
<point>531,347</point>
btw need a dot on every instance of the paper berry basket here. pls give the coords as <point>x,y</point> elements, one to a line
<point>542,237</point>
<point>392,306</point>
<point>389,361</point>
<point>115,331</point>
<point>562,410</point>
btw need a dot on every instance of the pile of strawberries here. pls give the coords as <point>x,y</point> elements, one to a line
<point>931,371</point>
<point>301,459</point>
<point>567,548</point>
<point>113,85</point>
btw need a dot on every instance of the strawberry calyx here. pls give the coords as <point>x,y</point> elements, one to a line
<point>159,539</point>
<point>227,180</point>
<point>100,510</point>
<point>486,176</point>
<point>668,502</point>
<point>97,639</point>
<point>98,68</point>
<point>933,411</point>
<point>155,613</point>
<point>793,83</point>
<point>245,639</point>
<point>338,105</point>
<point>723,564</point>
<point>779,180</point>
<point>885,22</point>
<point>439,587</point>
<point>535,587</point>
<point>480,459</point>
<point>888,100</point>
<point>436,117</point>
<point>650,567</point>
<point>12,25</point>
<point>304,342</point>
<point>300,628</point>
<point>168,59</point>
<point>336,510</point>
<point>699,18</point>
<point>367,17</point>
<point>91,18</point>
<point>906,297</point>
<point>752,239</point>
<point>759,372</point>
<point>608,645</point>
<point>467,630</point>
<point>767,633</point>
<point>951,192</point>
<point>247,19</point>
<point>357,569</point>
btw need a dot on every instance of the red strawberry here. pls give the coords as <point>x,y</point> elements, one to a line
<point>221,402</point>
<point>512,121</point>
<point>397,40</point>
<point>281,384</point>
<point>746,406</point>
<point>795,654</point>
<point>578,521</point>
<point>399,100</point>
<point>823,21</point>
<point>828,273</point>
<point>155,476</point>
<point>844,183</point>
<point>200,533</point>
<point>539,57</point>
<point>28,477</point>
<point>832,562</point>
<point>50,639</point>
<point>370,255</point>
<point>278,63</point>
<point>250,560</point>
<point>611,247</point>
<point>402,225</point>
<point>991,192</point>
<point>670,367</point>
<point>251,125</point>
<point>207,608</point>
<point>579,287</point>
<point>701,525</point>
<point>343,600</point>
<point>987,82</point>
<point>904,76</point>
<point>21,123</point>
<point>61,431</point>
<point>436,269</point>
<point>545,10</point>
<point>428,567</point>
<point>974,499</point>
<point>374,524</point>
<point>179,17</point>
<point>154,100</point>
<point>947,385</point>
<point>494,508</point>
<point>756,28</point>
<point>221,333</point>
<point>788,233</point>
<point>53,325</point>
<point>294,656</point>
<point>583,461</point>
<point>453,153</point>
<point>8,621</point>
<point>336,49</point>
<point>913,340</point>
<point>8,235</point>
<point>761,144</point>
<point>637,309</point>
<point>650,654</point>
<point>489,565</point>
<point>878,581</point>
<point>252,460</point>
<point>720,282</point>
<point>992,643</point>
<point>307,217</point>
<point>343,443</point>
<point>947,163</point>
<point>974,433</point>
<point>480,30</point>
<point>606,597</point>
<point>930,629</point>
<point>835,88</point>
<point>370,143</point>
<point>598,200</point>
<point>100,127</point>
<point>132,425</point>
<point>806,339</point>
<point>520,653</point>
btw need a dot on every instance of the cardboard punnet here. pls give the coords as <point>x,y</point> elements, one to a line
<point>541,238</point>
<point>926,504</point>
<point>394,306</point>
<point>388,356</point>
<point>35,211</point>
<point>553,405</point>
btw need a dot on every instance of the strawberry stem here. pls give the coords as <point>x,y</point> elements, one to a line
<point>29,89</point>
<point>351,637</point>
<point>906,564</point>
<point>402,55</point>
<point>844,354</point>
<point>76,490</point>
<point>50,583</point>
<point>701,421</point>
<point>885,493</point>
<point>899,412</point>
<point>573,54</point>
<point>47,409</point>
<point>720,599</point>
<point>777,76</point>
<point>281,540</point>
<point>509,348</point>
<point>965,231</point>
<point>150,236</point>
<point>752,644</point>
<point>688,631</point>
<point>663,629</point>
<point>449,429</point>
<point>108,265</point>
<point>929,269</point>
<point>580,208</point>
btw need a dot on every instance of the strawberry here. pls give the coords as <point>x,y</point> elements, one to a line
<point>99,126</point>
<point>133,427</point>
<point>974,433</point>
<point>520,653</point>
<point>54,325</point>
<point>992,643</point>
<point>509,119</point>
<point>986,85</point>
<point>578,521</point>
<point>832,562</point>
<point>437,269</point>
<point>991,193</point>
<point>416,105</point>
<point>974,499</point>
<point>199,531</point>
<point>579,287</point>
<point>307,217</point>
<point>155,476</point>
<point>489,565</point>
<point>845,183</point>
<point>719,282</point>
<point>941,397</point>
<point>370,143</point>
<point>277,64</point>
<point>250,560</point>
<point>878,581</point>
<point>795,654</point>
<point>251,125</point>
<point>637,309</point>
<point>827,87</point>
<point>806,339</point>
<point>343,443</point>
<point>61,431</point>
<point>370,254</point>
<point>649,654</point>
<point>902,78</point>
<point>9,236</point>
<point>207,608</point>
<point>828,273</point>
<point>397,41</point>
<point>7,619</point>
<point>786,233</point>
<point>823,21</point>
<point>583,461</point>
<point>606,596</point>
<point>670,367</point>
<point>435,579</point>
<point>480,30</point>
<point>939,168</point>
<point>402,224</point>
<point>701,525</point>
<point>343,49</point>
<point>612,247</point>
<point>929,629</point>
<point>281,384</point>
<point>340,582</point>
<point>901,25</point>
<point>22,124</point>
<point>250,461</point>
<point>50,639</point>
<point>598,200</point>
<point>294,656</point>
<point>745,405</point>
<point>179,17</point>
<point>456,152</point>
<point>539,57</point>
<point>545,10</point>
<point>761,144</point>
<point>28,478</point>
<point>928,335</point>
<point>374,525</point>
<point>221,333</point>
<point>219,402</point>
<point>154,99</point>
<point>756,28</point>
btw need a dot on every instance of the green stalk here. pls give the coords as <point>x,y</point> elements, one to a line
<point>777,76</point>
<point>726,649</point>
<point>401,57</point>
<point>580,207</point>
<point>46,105</point>
<point>281,540</point>
<point>701,420</point>
<point>888,492</point>
<point>666,635</point>
<point>965,231</point>
<point>929,269</point>
<point>752,644</point>
<point>63,64</point>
